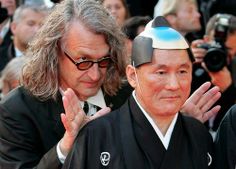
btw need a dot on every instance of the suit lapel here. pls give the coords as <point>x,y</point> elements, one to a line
<point>178,151</point>
<point>131,151</point>
<point>57,108</point>
<point>147,138</point>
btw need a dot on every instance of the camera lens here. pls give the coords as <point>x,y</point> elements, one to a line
<point>215,59</point>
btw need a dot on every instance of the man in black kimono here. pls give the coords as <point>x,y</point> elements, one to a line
<point>148,131</point>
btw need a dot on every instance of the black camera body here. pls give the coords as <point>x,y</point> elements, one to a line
<point>216,56</point>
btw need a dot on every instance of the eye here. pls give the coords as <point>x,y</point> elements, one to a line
<point>161,72</point>
<point>183,71</point>
<point>83,58</point>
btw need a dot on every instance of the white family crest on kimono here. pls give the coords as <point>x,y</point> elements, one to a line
<point>105,158</point>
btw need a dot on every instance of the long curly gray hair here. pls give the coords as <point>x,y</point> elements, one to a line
<point>40,75</point>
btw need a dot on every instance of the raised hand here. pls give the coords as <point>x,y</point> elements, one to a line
<point>74,119</point>
<point>199,104</point>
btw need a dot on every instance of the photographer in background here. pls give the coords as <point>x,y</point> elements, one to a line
<point>214,57</point>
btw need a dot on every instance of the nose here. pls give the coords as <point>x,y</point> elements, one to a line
<point>94,72</point>
<point>172,83</point>
<point>113,10</point>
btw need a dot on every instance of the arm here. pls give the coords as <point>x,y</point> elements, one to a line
<point>199,104</point>
<point>21,145</point>
<point>74,119</point>
<point>29,139</point>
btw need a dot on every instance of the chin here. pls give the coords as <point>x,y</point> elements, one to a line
<point>91,93</point>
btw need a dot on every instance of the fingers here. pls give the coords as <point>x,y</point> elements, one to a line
<point>196,96</point>
<point>209,98</point>
<point>198,52</point>
<point>100,113</point>
<point>195,43</point>
<point>212,112</point>
<point>71,104</point>
<point>68,108</point>
<point>74,114</point>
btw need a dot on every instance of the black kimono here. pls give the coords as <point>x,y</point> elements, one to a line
<point>124,139</point>
<point>225,143</point>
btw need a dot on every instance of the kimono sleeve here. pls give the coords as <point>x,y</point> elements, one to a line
<point>76,159</point>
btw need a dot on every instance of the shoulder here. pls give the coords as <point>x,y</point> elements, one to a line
<point>15,97</point>
<point>19,101</point>
<point>195,127</point>
<point>13,103</point>
<point>110,119</point>
<point>104,127</point>
<point>229,120</point>
<point>190,121</point>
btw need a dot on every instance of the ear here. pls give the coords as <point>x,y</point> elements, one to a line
<point>13,27</point>
<point>131,75</point>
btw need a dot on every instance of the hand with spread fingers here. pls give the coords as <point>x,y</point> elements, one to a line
<point>199,105</point>
<point>74,119</point>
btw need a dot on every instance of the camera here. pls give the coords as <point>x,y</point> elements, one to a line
<point>216,56</point>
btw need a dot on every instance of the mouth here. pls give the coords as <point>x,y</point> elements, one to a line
<point>170,97</point>
<point>91,84</point>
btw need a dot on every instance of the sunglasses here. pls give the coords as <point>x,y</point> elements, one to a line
<point>86,64</point>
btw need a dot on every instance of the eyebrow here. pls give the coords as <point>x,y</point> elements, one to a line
<point>88,56</point>
<point>162,66</point>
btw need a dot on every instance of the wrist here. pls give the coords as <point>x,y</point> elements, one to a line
<point>64,149</point>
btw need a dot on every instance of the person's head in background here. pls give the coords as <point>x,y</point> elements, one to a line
<point>228,22</point>
<point>27,19</point>
<point>131,28</point>
<point>182,15</point>
<point>118,9</point>
<point>10,5</point>
<point>10,75</point>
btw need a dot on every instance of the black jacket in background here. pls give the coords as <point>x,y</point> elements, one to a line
<point>225,143</point>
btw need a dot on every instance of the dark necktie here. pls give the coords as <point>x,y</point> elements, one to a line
<point>86,107</point>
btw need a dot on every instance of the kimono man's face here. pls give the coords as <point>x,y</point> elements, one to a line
<point>163,85</point>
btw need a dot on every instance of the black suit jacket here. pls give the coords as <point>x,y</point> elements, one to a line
<point>6,54</point>
<point>29,131</point>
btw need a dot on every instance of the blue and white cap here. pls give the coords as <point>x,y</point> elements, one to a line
<point>158,34</point>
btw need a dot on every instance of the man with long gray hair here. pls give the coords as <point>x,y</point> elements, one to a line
<point>79,47</point>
